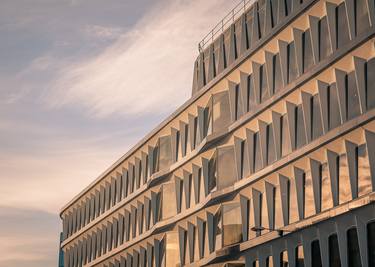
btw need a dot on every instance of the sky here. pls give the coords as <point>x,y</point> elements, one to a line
<point>81,81</point>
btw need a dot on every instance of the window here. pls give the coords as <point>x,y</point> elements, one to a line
<point>292,64</point>
<point>334,255</point>
<point>324,41</point>
<point>354,256</point>
<point>284,262</point>
<point>232,225</point>
<point>285,139</point>
<point>371,243</point>
<point>316,260</point>
<point>300,258</point>
<point>226,174</point>
<point>308,60</point>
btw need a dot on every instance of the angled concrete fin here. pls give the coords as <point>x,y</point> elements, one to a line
<point>244,85</point>
<point>151,160</point>
<point>187,187</point>
<point>270,198</point>
<point>211,231</point>
<point>201,72</point>
<point>232,100</point>
<point>371,11</point>
<point>360,76</point>
<point>244,202</point>
<point>314,33</point>
<point>256,75</point>
<point>191,237</point>
<point>285,195</point>
<point>351,154</point>
<point>194,88</point>
<point>232,45</point>
<point>118,192</point>
<point>250,150</point>
<point>299,176</point>
<point>157,252</point>
<point>332,158</point>
<point>192,131</point>
<point>257,200</point>
<point>306,107</point>
<point>291,114</point>
<point>222,64</point>
<point>238,155</point>
<point>155,207</point>
<point>201,224</point>
<point>341,93</point>
<point>140,217</point>
<point>269,68</point>
<point>331,16</point>
<point>137,172</point>
<point>256,29</point>
<point>183,137</point>
<point>243,39</point>
<point>263,141</point>
<point>350,15</point>
<point>147,203</point>
<point>174,142</point>
<point>283,50</point>
<point>370,144</point>
<point>276,121</point>
<point>269,20</point>
<point>196,181</point>
<point>323,97</point>
<point>211,63</point>
<point>297,34</point>
<point>201,126</point>
<point>316,182</point>
<point>182,243</point>
<point>206,175</point>
<point>179,188</point>
<point>150,254</point>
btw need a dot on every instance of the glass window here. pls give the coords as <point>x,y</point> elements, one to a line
<point>308,60</point>
<point>284,262</point>
<point>257,154</point>
<point>226,175</point>
<point>361,16</point>
<point>371,243</point>
<point>316,260</point>
<point>342,26</point>
<point>271,156</point>
<point>220,111</point>
<point>345,194</point>
<point>334,255</point>
<point>292,64</point>
<point>316,120</point>
<point>327,201</point>
<point>324,41</point>
<point>232,225</point>
<point>370,83</point>
<point>300,257</point>
<point>264,93</point>
<point>278,82</point>
<point>300,127</point>
<point>354,256</point>
<point>169,207</point>
<point>309,196</point>
<point>364,175</point>
<point>285,137</point>
<point>334,119</point>
<point>251,94</point>
<point>352,98</point>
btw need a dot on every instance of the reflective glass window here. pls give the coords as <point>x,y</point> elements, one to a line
<point>264,93</point>
<point>308,59</point>
<point>232,225</point>
<point>285,137</point>
<point>300,257</point>
<point>361,16</point>
<point>334,255</point>
<point>342,26</point>
<point>226,175</point>
<point>169,207</point>
<point>352,98</point>
<point>324,41</point>
<point>278,82</point>
<point>354,256</point>
<point>334,119</point>
<point>326,192</point>
<point>371,243</point>
<point>284,261</point>
<point>370,83</point>
<point>345,194</point>
<point>316,120</point>
<point>316,260</point>
<point>292,64</point>
<point>220,111</point>
<point>300,127</point>
<point>364,175</point>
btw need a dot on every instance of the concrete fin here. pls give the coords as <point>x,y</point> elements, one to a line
<point>147,203</point>
<point>211,231</point>
<point>332,158</point>
<point>285,195</point>
<point>196,181</point>
<point>201,72</point>
<point>351,154</point>
<point>360,76</point>
<point>331,16</point>
<point>269,68</point>
<point>250,150</point>
<point>206,175</point>
<point>244,85</point>
<point>255,29</point>
<point>238,155</point>
<point>297,35</point>
<point>256,75</point>
<point>341,88</point>
<point>316,182</point>
<point>314,33</point>
<point>211,63</point>
<point>270,193</point>
<point>191,241</point>
<point>276,124</point>
<point>350,15</point>
<point>232,45</point>
<point>232,100</point>
<point>263,141</point>
<point>201,236</point>
<point>183,137</point>
<point>370,144</point>
<point>222,58</point>
<point>283,50</point>
<point>187,187</point>
<point>243,39</point>
<point>257,200</point>
<point>323,97</point>
<point>182,243</point>
<point>306,107</point>
<point>244,202</point>
<point>179,188</point>
<point>290,107</point>
<point>299,176</point>
<point>174,141</point>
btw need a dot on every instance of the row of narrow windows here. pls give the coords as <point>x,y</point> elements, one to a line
<point>317,114</point>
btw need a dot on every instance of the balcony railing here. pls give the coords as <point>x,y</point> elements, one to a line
<point>231,17</point>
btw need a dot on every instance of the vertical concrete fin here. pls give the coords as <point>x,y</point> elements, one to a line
<point>314,33</point>
<point>350,15</point>
<point>232,100</point>
<point>276,121</point>
<point>222,58</point>
<point>291,114</point>
<point>341,93</point>
<point>178,188</point>
<point>306,107</point>
<point>370,144</point>
<point>256,75</point>
<point>201,236</point>
<point>263,141</point>
<point>211,231</point>
<point>371,11</point>
<point>196,182</point>
<point>243,39</point>
<point>323,97</point>
<point>151,160</point>
<point>360,76</point>
<point>332,158</point>
<point>270,198</point>
<point>250,150</point>
<point>285,195</point>
<point>238,155</point>
<point>244,202</point>
<point>195,78</point>
<point>316,182</point>
<point>244,85</point>
<point>269,20</point>
<point>182,243</point>
<point>232,45</point>
<point>201,126</point>
<point>283,50</point>
<point>147,202</point>
<point>183,137</point>
<point>206,175</point>
<point>299,176</point>
<point>174,143</point>
<point>351,154</point>
<point>256,29</point>
<point>187,187</point>
<point>192,126</point>
<point>191,237</point>
<point>201,72</point>
<point>298,35</point>
<point>211,63</point>
<point>257,200</point>
<point>362,240</point>
<point>331,17</point>
<point>269,68</point>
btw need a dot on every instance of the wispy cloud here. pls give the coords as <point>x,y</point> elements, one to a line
<point>147,70</point>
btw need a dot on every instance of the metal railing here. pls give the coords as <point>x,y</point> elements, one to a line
<point>231,17</point>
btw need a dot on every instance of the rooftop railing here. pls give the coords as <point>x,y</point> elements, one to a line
<point>231,17</point>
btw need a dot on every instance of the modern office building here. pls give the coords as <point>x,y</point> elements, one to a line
<point>271,162</point>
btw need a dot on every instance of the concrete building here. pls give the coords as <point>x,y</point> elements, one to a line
<point>271,162</point>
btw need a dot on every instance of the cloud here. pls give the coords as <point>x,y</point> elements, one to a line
<point>147,70</point>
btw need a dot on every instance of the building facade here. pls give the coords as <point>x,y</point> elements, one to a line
<point>271,162</point>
